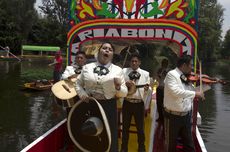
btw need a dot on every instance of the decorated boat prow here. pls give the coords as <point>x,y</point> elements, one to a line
<point>142,24</point>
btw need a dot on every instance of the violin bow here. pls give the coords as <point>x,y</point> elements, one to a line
<point>201,83</point>
<point>126,55</point>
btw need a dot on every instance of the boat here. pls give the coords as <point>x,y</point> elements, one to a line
<point>4,58</point>
<point>57,138</point>
<point>38,85</point>
<point>169,24</point>
<point>6,55</point>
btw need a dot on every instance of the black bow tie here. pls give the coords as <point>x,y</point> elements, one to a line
<point>134,75</point>
<point>101,70</point>
<point>184,79</point>
<point>78,70</point>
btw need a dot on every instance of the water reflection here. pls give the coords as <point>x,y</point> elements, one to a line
<point>215,112</point>
<point>24,115</point>
<point>27,115</point>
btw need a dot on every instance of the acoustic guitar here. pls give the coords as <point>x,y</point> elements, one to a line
<point>65,89</point>
<point>133,88</point>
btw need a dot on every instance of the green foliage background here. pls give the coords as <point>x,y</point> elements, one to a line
<point>21,23</point>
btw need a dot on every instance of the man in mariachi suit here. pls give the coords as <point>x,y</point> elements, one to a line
<point>134,104</point>
<point>178,97</point>
<point>76,67</point>
<point>72,72</point>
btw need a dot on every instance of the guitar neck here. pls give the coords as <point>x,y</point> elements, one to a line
<point>73,76</point>
<point>141,86</point>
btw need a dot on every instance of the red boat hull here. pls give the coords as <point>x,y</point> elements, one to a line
<point>57,139</point>
<point>51,141</point>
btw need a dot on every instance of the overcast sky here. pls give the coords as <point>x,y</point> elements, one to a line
<point>224,3</point>
<point>226,6</point>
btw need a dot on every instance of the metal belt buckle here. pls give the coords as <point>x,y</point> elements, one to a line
<point>176,113</point>
<point>133,100</point>
<point>98,96</point>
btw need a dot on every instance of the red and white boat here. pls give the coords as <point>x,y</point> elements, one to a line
<point>57,138</point>
<point>171,24</point>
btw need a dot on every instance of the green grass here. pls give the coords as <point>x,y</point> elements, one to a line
<point>36,74</point>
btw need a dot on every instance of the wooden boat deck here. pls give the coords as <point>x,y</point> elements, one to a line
<point>149,131</point>
<point>57,138</point>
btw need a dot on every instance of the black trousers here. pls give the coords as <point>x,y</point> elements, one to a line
<point>178,126</point>
<point>160,100</point>
<point>110,108</point>
<point>57,76</point>
<point>137,111</point>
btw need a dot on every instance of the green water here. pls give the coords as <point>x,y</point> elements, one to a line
<point>25,115</point>
<point>215,111</point>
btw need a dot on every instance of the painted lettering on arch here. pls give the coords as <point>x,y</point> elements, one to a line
<point>133,33</point>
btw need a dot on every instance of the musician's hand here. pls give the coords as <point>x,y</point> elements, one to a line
<point>85,98</point>
<point>70,77</point>
<point>146,87</point>
<point>200,95</point>
<point>117,83</point>
<point>129,83</point>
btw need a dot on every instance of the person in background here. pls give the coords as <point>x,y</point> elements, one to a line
<point>75,69</point>
<point>7,51</point>
<point>161,73</point>
<point>104,81</point>
<point>71,73</point>
<point>134,104</point>
<point>57,66</point>
<point>178,97</point>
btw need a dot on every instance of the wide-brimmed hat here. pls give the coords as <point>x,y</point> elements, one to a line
<point>88,127</point>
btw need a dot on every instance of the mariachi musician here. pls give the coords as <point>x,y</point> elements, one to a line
<point>75,69</point>
<point>70,75</point>
<point>103,81</point>
<point>134,104</point>
<point>178,98</point>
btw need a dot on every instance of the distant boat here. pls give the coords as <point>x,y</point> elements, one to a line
<point>38,85</point>
<point>4,58</point>
<point>13,58</point>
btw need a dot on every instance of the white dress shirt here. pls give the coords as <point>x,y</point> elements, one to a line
<point>144,79</point>
<point>89,82</point>
<point>69,71</point>
<point>177,95</point>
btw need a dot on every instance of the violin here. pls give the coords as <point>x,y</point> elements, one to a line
<point>205,79</point>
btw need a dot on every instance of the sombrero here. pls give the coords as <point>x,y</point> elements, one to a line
<point>88,127</point>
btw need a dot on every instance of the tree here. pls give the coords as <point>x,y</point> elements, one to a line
<point>225,52</point>
<point>210,23</point>
<point>17,17</point>
<point>47,32</point>
<point>52,26</point>
<point>55,10</point>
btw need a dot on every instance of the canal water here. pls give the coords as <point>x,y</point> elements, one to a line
<point>25,115</point>
<point>215,111</point>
